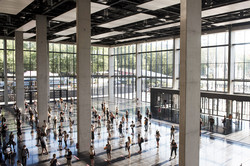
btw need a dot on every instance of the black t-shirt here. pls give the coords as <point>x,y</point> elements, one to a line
<point>69,156</point>
<point>53,162</point>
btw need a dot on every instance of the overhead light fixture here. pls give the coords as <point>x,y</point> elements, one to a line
<point>134,38</point>
<point>113,33</point>
<point>59,39</point>
<point>127,20</point>
<point>159,27</point>
<point>232,22</point>
<point>13,6</point>
<point>158,4</point>
<point>27,26</point>
<point>71,15</point>
<point>94,40</point>
<point>67,32</point>
<point>207,13</point>
<point>226,9</point>
<point>28,35</point>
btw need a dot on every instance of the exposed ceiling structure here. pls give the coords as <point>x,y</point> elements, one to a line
<point>117,21</point>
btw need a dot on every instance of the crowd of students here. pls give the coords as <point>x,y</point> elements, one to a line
<point>110,120</point>
<point>63,113</point>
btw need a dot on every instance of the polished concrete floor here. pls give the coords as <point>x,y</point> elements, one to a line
<point>215,149</point>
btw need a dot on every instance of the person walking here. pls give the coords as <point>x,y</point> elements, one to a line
<point>173,149</point>
<point>157,136</point>
<point>172,131</point>
<point>25,155</point>
<point>92,155</point>
<point>53,161</point>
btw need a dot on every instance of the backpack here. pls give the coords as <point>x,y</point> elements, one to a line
<point>142,140</point>
<point>108,147</point>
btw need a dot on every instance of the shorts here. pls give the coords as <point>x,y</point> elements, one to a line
<point>91,156</point>
<point>157,139</point>
<point>69,162</point>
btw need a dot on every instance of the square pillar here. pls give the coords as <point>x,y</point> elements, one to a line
<point>83,29</point>
<point>111,75</point>
<point>19,71</point>
<point>42,68</point>
<point>6,97</point>
<point>190,66</point>
<point>138,73</point>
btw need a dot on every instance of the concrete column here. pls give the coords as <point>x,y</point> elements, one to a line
<point>175,66</point>
<point>42,68</point>
<point>6,98</point>
<point>138,73</point>
<point>19,71</point>
<point>111,74</point>
<point>83,34</point>
<point>231,61</point>
<point>229,106</point>
<point>190,66</point>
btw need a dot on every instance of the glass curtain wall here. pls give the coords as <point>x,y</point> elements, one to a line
<point>241,50</point>
<point>99,71</point>
<point>1,70</point>
<point>29,60</point>
<point>214,62</point>
<point>156,66</point>
<point>241,58</point>
<point>125,71</point>
<point>11,70</point>
<point>62,75</point>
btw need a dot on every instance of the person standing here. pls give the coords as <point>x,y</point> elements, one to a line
<point>55,121</point>
<point>132,127</point>
<point>172,131</point>
<point>147,112</point>
<point>128,143</point>
<point>25,155</point>
<point>224,121</point>
<point>69,157</point>
<point>140,140</point>
<point>173,149</point>
<point>38,131</point>
<point>116,112</point>
<point>53,161</point>
<point>18,163</point>
<point>92,155</point>
<point>92,133</point>
<point>108,151</point>
<point>120,129</point>
<point>65,139</point>
<point>44,146</point>
<point>146,124</point>
<point>157,136</point>
<point>211,121</point>
<point>127,116</point>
